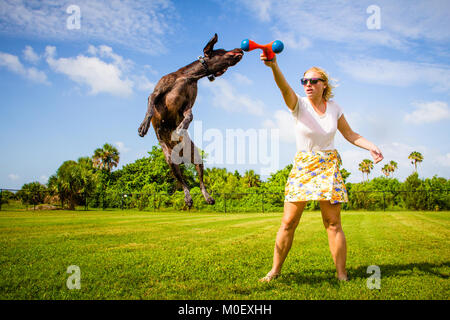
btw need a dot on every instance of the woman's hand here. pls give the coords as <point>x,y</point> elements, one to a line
<point>269,63</point>
<point>376,154</point>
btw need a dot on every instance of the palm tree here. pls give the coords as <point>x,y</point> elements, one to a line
<point>251,179</point>
<point>415,157</point>
<point>72,180</point>
<point>369,167</point>
<point>106,158</point>
<point>386,170</point>
<point>344,173</point>
<point>389,168</point>
<point>365,167</point>
<point>392,167</point>
<point>362,168</point>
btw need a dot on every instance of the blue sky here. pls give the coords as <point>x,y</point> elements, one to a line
<point>66,91</point>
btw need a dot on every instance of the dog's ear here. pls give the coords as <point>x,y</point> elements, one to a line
<point>209,47</point>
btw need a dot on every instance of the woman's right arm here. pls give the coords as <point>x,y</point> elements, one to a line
<point>289,96</point>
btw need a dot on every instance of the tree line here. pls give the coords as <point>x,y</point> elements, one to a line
<point>148,184</point>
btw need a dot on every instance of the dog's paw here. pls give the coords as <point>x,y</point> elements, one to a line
<point>143,129</point>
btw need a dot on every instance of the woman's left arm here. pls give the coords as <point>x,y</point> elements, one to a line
<point>358,140</point>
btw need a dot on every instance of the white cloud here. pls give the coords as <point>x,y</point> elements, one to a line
<point>397,73</point>
<point>334,21</point>
<point>394,151</point>
<point>284,121</point>
<point>242,79</point>
<point>418,19</point>
<point>292,39</point>
<point>428,112</point>
<point>121,147</point>
<point>13,176</point>
<point>444,160</point>
<point>13,64</point>
<point>136,24</point>
<point>350,162</point>
<point>143,83</point>
<point>43,179</point>
<point>99,76</point>
<point>402,21</point>
<point>36,75</point>
<point>102,70</point>
<point>30,56</point>
<point>262,8</point>
<point>104,51</point>
<point>434,163</point>
<point>226,96</point>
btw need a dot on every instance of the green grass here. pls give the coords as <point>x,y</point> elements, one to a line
<point>134,255</point>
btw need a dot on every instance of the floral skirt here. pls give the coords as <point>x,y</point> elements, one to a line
<point>315,175</point>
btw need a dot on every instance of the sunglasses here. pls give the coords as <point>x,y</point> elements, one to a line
<point>304,81</point>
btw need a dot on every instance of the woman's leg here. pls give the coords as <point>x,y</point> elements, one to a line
<point>285,236</point>
<point>331,216</point>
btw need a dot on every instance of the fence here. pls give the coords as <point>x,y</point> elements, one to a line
<point>13,200</point>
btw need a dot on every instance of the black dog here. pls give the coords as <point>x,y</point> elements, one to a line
<point>170,110</point>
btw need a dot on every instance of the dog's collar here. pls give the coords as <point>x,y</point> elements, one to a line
<point>211,77</point>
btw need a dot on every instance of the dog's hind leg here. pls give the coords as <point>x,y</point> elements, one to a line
<point>176,170</point>
<point>198,162</point>
<point>145,125</point>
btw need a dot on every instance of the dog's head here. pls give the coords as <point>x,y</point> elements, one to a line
<point>219,60</point>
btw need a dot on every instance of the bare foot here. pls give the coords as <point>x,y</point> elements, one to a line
<point>269,277</point>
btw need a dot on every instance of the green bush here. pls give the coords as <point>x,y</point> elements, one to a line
<point>32,193</point>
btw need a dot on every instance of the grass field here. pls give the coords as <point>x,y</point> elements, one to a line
<point>135,255</point>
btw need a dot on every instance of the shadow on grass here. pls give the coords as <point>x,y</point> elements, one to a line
<point>404,270</point>
<point>387,270</point>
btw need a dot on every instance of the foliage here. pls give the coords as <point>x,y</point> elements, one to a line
<point>106,158</point>
<point>345,174</point>
<point>6,196</point>
<point>148,184</point>
<point>73,181</point>
<point>365,167</point>
<point>389,168</point>
<point>415,157</point>
<point>32,193</point>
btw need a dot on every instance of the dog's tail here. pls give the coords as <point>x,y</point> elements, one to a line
<point>145,125</point>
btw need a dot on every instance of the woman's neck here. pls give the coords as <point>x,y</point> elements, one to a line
<point>315,101</point>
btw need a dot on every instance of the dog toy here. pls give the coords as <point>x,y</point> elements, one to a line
<point>269,49</point>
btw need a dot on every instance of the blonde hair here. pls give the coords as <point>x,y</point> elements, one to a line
<point>328,91</point>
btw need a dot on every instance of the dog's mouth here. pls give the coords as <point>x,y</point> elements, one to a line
<point>219,73</point>
<point>236,56</point>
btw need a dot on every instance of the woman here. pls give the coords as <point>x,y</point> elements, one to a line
<point>315,174</point>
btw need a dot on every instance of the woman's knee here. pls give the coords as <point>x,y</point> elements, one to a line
<point>289,225</point>
<point>331,215</point>
<point>333,226</point>
<point>292,214</point>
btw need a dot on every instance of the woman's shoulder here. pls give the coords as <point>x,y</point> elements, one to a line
<point>333,105</point>
<point>300,105</point>
<point>303,101</point>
